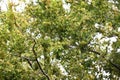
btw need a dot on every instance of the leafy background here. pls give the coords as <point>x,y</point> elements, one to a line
<point>60,40</point>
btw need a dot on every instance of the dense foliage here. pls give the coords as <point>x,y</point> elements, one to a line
<point>60,40</point>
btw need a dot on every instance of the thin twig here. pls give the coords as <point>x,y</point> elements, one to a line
<point>94,51</point>
<point>25,58</point>
<point>114,65</point>
<point>35,54</point>
<point>29,61</point>
<point>118,67</point>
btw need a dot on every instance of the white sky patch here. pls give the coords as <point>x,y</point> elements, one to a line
<point>62,69</point>
<point>15,1</point>
<point>63,1</point>
<point>3,5</point>
<point>28,31</point>
<point>98,36</point>
<point>76,43</point>
<point>119,29</point>
<point>51,53</point>
<point>89,1</point>
<point>32,33</point>
<point>20,7</point>
<point>42,57</point>
<point>110,41</point>
<point>98,25</point>
<point>35,2</point>
<point>111,1</point>
<point>66,6</point>
<point>109,49</point>
<point>115,8</point>
<point>106,73</point>
<point>113,39</point>
<point>27,1</point>
<point>103,42</point>
<point>118,50</point>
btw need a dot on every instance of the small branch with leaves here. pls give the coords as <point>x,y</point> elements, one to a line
<point>98,53</point>
<point>28,60</point>
<point>35,54</point>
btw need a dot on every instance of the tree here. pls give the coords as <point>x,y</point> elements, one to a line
<point>53,40</point>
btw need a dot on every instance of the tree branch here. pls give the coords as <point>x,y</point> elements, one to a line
<point>94,51</point>
<point>116,66</point>
<point>35,54</point>
<point>98,53</point>
<point>29,61</point>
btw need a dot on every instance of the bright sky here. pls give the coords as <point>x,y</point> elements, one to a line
<point>20,5</point>
<point>3,5</point>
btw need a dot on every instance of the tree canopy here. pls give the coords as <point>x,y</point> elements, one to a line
<point>60,40</point>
